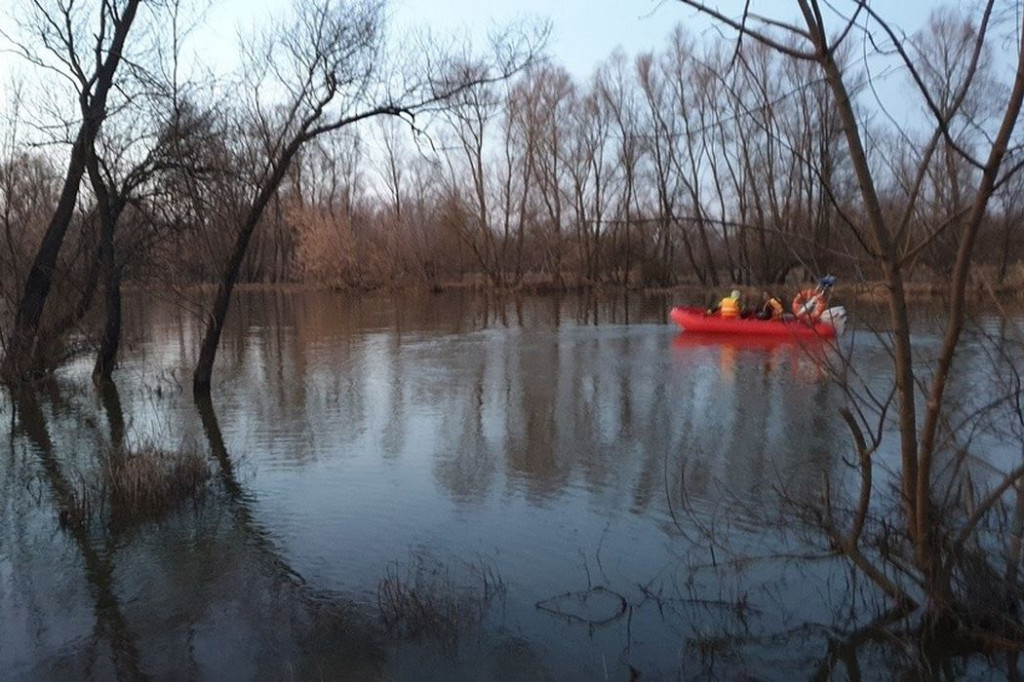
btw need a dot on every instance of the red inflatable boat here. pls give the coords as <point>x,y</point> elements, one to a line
<point>699,321</point>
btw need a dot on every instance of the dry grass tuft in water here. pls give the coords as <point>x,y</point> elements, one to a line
<point>140,484</point>
<point>424,601</point>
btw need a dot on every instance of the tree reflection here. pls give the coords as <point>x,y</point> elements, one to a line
<point>180,585</point>
<point>620,436</point>
<point>111,625</point>
<point>239,502</point>
<point>467,467</point>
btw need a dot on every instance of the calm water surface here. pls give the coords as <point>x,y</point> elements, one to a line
<point>448,487</point>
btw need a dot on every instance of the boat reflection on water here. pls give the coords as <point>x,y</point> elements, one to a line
<point>808,358</point>
<point>742,403</point>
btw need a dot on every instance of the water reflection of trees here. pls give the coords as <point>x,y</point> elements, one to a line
<point>610,410</point>
<point>547,409</point>
<point>529,401</point>
<point>219,592</point>
<point>755,419</point>
<point>204,592</point>
<point>111,626</point>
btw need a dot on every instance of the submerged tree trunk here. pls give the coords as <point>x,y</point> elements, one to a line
<point>17,365</point>
<point>202,378</point>
<point>111,400</point>
<point>106,356</point>
<point>110,209</point>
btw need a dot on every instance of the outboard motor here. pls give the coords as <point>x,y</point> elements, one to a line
<point>835,316</point>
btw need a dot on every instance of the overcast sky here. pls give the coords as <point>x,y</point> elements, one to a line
<point>584,32</point>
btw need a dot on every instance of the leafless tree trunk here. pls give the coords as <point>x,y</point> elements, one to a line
<point>663,147</point>
<point>329,64</point>
<point>589,171</point>
<point>94,84</point>
<point>619,95</point>
<point>110,209</point>
<point>934,549</point>
<point>548,97</point>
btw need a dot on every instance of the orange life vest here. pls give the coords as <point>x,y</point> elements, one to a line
<point>774,305</point>
<point>729,307</point>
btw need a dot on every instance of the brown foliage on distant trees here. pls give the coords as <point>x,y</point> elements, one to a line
<point>696,162</point>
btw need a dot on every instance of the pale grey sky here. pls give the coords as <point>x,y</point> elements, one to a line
<point>584,33</point>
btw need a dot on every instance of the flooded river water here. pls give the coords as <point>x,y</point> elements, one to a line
<point>444,487</point>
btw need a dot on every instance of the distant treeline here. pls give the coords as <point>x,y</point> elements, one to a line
<point>696,163</point>
<point>700,162</point>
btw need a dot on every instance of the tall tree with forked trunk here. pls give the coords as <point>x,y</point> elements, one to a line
<point>327,70</point>
<point>89,57</point>
<point>972,151</point>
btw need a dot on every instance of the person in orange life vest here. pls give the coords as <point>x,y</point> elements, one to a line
<point>771,307</point>
<point>731,306</point>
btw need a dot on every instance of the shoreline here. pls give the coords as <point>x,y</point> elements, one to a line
<point>873,292</point>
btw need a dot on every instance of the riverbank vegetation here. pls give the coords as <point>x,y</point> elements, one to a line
<point>141,484</point>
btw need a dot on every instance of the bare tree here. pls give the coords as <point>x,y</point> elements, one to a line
<point>619,93</point>
<point>327,69</point>
<point>549,97</point>
<point>28,191</point>
<point>589,169</point>
<point>517,177</point>
<point>476,221</point>
<point>89,59</point>
<point>662,144</point>
<point>1012,199</point>
<point>936,539</point>
<point>143,138</point>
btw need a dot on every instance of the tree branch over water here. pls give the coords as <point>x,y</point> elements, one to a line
<point>935,548</point>
<point>328,68</point>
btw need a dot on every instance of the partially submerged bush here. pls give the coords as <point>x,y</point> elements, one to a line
<point>150,482</point>
<point>141,484</point>
<point>424,601</point>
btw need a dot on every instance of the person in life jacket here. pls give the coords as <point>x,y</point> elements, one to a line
<point>771,307</point>
<point>731,306</point>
